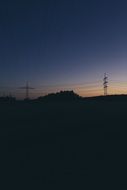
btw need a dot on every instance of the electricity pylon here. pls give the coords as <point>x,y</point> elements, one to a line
<point>105,84</point>
<point>27,88</point>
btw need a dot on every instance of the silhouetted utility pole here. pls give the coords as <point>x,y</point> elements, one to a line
<point>27,88</point>
<point>105,84</point>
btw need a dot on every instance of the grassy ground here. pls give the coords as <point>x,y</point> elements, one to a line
<point>64,145</point>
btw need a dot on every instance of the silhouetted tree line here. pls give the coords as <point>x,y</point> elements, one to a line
<point>7,99</point>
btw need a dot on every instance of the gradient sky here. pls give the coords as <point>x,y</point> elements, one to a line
<point>63,44</point>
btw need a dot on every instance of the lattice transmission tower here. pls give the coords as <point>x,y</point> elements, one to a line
<point>105,84</point>
<point>27,88</point>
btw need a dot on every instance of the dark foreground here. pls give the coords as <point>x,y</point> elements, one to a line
<point>64,145</point>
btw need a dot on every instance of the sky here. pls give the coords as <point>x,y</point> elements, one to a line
<point>62,45</point>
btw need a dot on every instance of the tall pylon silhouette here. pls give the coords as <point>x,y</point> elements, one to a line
<point>27,88</point>
<point>105,84</point>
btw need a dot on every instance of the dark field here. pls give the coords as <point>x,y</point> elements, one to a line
<point>64,145</point>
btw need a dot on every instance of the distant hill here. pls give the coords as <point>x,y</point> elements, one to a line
<point>66,96</point>
<point>121,97</point>
<point>71,95</point>
<point>62,95</point>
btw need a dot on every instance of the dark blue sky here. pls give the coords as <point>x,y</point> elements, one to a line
<point>49,42</point>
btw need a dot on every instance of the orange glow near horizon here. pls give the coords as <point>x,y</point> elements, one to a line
<point>84,92</point>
